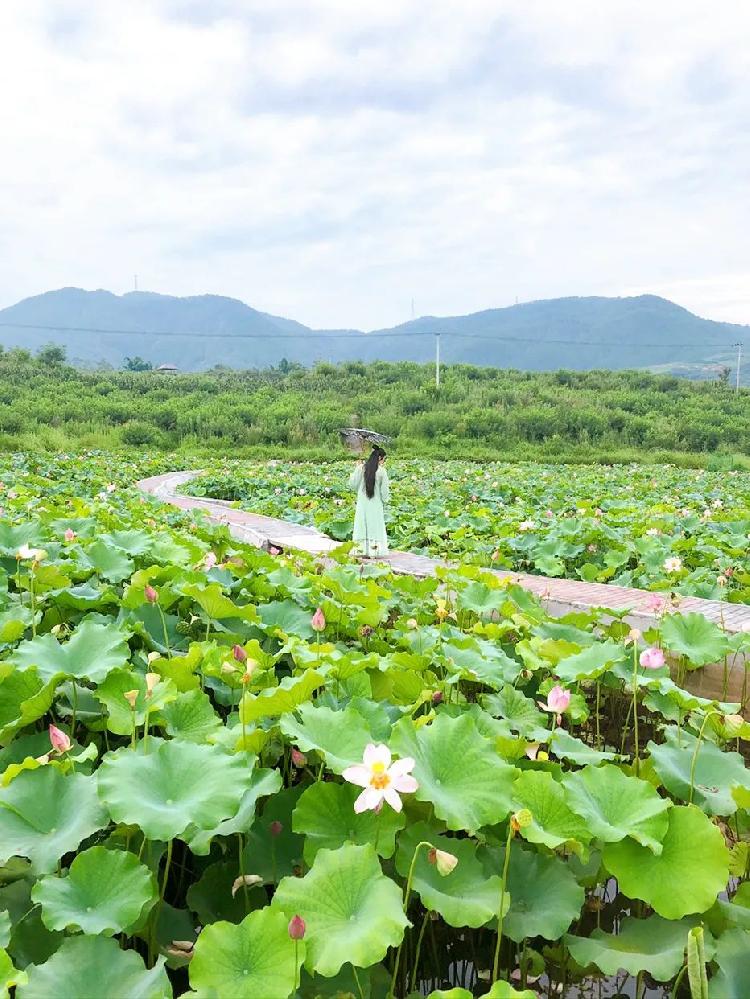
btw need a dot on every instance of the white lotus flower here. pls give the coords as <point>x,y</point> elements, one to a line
<point>381,779</point>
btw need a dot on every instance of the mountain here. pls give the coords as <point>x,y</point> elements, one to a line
<point>202,331</point>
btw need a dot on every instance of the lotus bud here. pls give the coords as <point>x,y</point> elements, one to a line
<point>246,880</point>
<point>228,668</point>
<point>634,635</point>
<point>520,820</point>
<point>296,927</point>
<point>150,594</point>
<point>276,828</point>
<point>60,741</point>
<point>151,681</point>
<point>56,629</point>
<point>437,697</point>
<point>239,653</point>
<point>298,759</point>
<point>42,760</point>
<point>152,656</point>
<point>542,756</point>
<point>70,534</point>
<point>411,624</point>
<point>652,658</point>
<point>444,861</point>
<point>131,696</point>
<point>318,621</point>
<point>733,725</point>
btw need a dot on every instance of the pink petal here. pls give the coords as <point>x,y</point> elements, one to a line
<point>392,798</point>
<point>358,775</point>
<point>370,798</point>
<point>377,754</point>
<point>400,767</point>
<point>406,784</point>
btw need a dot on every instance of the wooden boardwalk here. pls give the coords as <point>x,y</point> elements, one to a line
<point>560,595</point>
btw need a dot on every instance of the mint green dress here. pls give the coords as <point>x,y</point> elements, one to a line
<point>370,536</point>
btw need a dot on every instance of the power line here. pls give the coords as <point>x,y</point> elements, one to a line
<point>357,336</point>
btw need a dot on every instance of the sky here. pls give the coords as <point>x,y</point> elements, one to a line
<point>332,161</point>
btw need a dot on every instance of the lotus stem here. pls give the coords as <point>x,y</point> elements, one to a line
<point>506,863</point>
<point>694,760</point>
<point>166,633</point>
<point>157,910</point>
<point>678,982</point>
<point>636,760</point>
<point>32,597</point>
<point>296,966</point>
<point>356,979</point>
<point>407,893</point>
<point>598,702</point>
<point>241,846</point>
<point>413,984</point>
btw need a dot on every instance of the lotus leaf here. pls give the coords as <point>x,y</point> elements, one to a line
<point>352,910</point>
<point>288,696</point>
<point>106,891</point>
<point>93,650</point>
<point>167,787</point>
<point>457,770</point>
<point>86,966</point>
<point>686,877</point>
<point>466,896</point>
<point>732,979</point>
<point>545,897</point>
<point>44,815</point>
<point>591,663</point>
<point>120,716</point>
<point>191,716</point>
<point>341,736</point>
<point>325,816</point>
<point>654,945</point>
<point>24,697</point>
<point>262,783</point>
<point>715,774</point>
<point>615,805</point>
<point>695,637</point>
<point>553,822</point>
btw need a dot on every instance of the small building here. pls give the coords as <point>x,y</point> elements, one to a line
<point>168,369</point>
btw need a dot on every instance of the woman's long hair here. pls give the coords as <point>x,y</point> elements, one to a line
<point>371,467</point>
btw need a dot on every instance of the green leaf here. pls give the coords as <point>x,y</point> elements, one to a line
<point>5,928</point>
<point>466,896</point>
<point>341,736</point>
<point>272,849</point>
<point>716,772</point>
<point>732,979</point>
<point>615,805</point>
<point>262,784</point>
<point>288,696</point>
<point>108,562</point>
<point>211,898</point>
<point>93,650</point>
<point>654,945</point>
<point>591,662</point>
<point>695,637</point>
<point>106,891</point>
<point>353,912</point>
<point>554,823</point>
<point>519,711</point>
<point>325,816</point>
<point>457,770</point>
<point>44,815</point>
<point>288,617</point>
<point>567,747</point>
<point>191,716</point>
<point>9,975</point>
<point>686,877</point>
<point>120,716</point>
<point>545,897</point>
<point>85,963</point>
<point>246,961</point>
<point>24,698</point>
<point>167,787</point>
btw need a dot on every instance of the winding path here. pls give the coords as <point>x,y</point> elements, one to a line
<point>561,595</point>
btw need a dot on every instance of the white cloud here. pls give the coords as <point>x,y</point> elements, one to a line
<point>328,161</point>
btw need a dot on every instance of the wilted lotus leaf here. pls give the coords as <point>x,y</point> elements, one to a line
<point>553,822</point>
<point>325,816</point>
<point>352,910</point>
<point>95,966</point>
<point>44,815</point>
<point>341,736</point>
<point>457,770</point>
<point>715,773</point>
<point>465,896</point>
<point>93,650</point>
<point>105,891</point>
<point>686,877</point>
<point>654,945</point>
<point>248,960</point>
<point>615,805</point>
<point>166,787</point>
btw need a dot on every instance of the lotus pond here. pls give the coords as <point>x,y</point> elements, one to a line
<point>653,527</point>
<point>229,774</point>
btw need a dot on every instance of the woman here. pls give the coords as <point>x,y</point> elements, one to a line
<point>369,481</point>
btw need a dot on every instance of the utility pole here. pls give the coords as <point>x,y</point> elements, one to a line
<point>437,360</point>
<point>739,361</point>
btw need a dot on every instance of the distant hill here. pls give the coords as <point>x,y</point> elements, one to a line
<point>200,332</point>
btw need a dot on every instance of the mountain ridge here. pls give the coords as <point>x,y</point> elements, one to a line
<point>201,331</point>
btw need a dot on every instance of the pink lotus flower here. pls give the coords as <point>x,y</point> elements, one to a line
<point>381,779</point>
<point>318,621</point>
<point>654,603</point>
<point>652,658</point>
<point>558,700</point>
<point>239,654</point>
<point>298,759</point>
<point>60,741</point>
<point>297,927</point>
<point>273,550</point>
<point>209,560</point>
<point>70,534</point>
<point>150,594</point>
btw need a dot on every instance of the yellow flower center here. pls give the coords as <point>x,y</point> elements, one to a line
<point>380,778</point>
